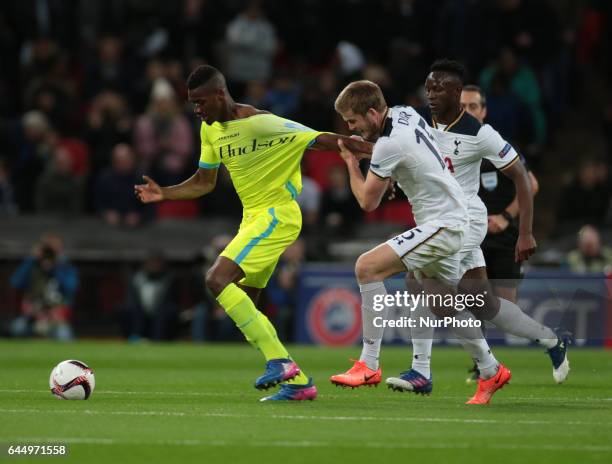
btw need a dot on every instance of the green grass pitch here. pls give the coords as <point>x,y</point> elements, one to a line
<point>196,403</point>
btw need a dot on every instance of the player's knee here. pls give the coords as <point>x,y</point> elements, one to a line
<point>365,269</point>
<point>215,281</point>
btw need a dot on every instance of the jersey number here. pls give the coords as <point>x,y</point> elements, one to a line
<point>407,236</point>
<point>449,164</point>
<point>426,138</point>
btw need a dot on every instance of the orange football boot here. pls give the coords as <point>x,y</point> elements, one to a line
<point>357,376</point>
<point>487,387</point>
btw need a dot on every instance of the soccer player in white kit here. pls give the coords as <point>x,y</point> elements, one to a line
<point>406,152</point>
<point>464,142</point>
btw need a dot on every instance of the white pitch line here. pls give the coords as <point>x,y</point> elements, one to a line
<point>311,444</point>
<point>139,393</point>
<point>295,417</point>
<point>586,399</point>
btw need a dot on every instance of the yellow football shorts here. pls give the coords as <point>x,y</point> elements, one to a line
<point>262,238</point>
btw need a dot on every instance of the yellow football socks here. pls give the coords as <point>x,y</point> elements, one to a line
<point>253,324</point>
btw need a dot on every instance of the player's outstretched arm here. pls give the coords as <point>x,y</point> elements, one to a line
<point>329,142</point>
<point>526,244</point>
<point>201,183</point>
<point>368,191</point>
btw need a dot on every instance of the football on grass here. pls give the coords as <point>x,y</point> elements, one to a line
<point>72,380</point>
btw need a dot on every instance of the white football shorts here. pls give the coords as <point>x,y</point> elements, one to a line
<point>431,250</point>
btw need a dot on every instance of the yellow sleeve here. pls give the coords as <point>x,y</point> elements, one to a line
<point>209,159</point>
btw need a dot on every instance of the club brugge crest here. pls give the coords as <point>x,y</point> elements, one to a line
<point>334,317</point>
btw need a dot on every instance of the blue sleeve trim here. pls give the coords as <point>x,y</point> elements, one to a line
<point>204,165</point>
<point>298,126</point>
<point>311,143</point>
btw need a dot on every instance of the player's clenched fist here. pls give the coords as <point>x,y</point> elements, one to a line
<point>149,192</point>
<point>525,247</point>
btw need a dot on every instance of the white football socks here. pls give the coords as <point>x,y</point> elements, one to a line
<point>473,342</point>
<point>422,339</point>
<point>511,319</point>
<point>372,336</point>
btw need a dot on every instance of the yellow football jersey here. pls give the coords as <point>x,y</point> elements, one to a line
<point>262,154</point>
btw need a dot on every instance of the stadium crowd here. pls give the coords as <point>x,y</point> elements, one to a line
<point>93,95</point>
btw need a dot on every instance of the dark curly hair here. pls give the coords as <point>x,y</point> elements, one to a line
<point>202,75</point>
<point>450,67</point>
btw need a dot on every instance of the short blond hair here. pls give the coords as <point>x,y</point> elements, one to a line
<point>359,97</point>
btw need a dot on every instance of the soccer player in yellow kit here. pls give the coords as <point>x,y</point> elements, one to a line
<point>262,153</point>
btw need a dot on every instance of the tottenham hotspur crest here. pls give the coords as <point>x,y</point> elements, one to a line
<point>456,151</point>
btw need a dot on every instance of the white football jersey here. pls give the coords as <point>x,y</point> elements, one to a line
<point>464,144</point>
<point>408,153</point>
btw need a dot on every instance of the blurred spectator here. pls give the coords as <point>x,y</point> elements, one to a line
<point>114,194</point>
<point>316,106</point>
<point>150,309</point>
<point>282,289</point>
<point>317,164</point>
<point>251,44</point>
<point>197,30</point>
<point>35,144</point>
<point>55,100</point>
<point>310,204</point>
<point>255,94</point>
<point>339,211</point>
<point>590,256</point>
<point>351,60</point>
<point>38,59</point>
<point>143,87</point>
<point>108,70</point>
<point>507,114</point>
<point>586,199</point>
<point>7,203</point>
<point>108,123</point>
<point>58,190</point>
<point>202,303</point>
<point>49,283</point>
<point>591,35</point>
<point>531,27</point>
<point>459,32</point>
<point>175,74</point>
<point>283,96</point>
<point>415,28</point>
<point>163,136</point>
<point>380,75</point>
<point>46,19</point>
<point>607,127</point>
<point>521,80</point>
<point>79,154</point>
